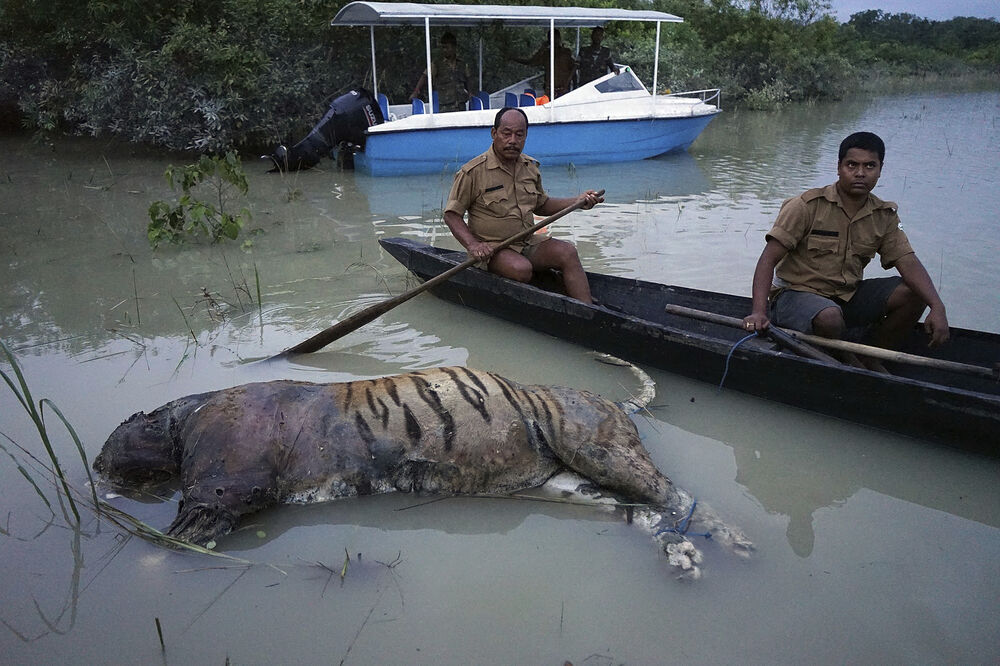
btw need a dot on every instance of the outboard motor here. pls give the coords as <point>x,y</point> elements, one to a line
<point>343,125</point>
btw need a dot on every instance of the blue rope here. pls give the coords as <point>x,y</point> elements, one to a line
<point>682,529</point>
<point>730,355</point>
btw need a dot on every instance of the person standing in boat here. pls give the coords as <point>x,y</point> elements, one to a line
<point>811,269</point>
<point>450,77</point>
<point>565,65</point>
<point>502,190</point>
<point>594,61</point>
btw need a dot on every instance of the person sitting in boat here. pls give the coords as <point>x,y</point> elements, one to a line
<point>502,190</point>
<point>565,65</point>
<point>812,265</point>
<point>594,61</point>
<point>450,77</point>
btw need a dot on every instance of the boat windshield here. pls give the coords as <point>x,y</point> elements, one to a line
<point>619,84</point>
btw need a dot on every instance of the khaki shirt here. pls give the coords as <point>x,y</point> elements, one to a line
<point>499,203</point>
<point>451,82</point>
<point>827,250</point>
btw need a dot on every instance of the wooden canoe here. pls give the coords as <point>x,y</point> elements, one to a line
<point>631,322</point>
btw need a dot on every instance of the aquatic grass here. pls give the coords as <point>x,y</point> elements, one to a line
<point>37,415</point>
<point>186,322</point>
<point>24,472</point>
<point>260,301</point>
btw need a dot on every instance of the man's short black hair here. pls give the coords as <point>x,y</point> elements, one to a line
<point>865,141</point>
<point>496,120</point>
<point>448,38</point>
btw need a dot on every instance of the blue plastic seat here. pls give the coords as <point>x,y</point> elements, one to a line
<point>509,99</point>
<point>437,105</point>
<point>418,106</point>
<point>526,100</point>
<point>475,104</point>
<point>484,97</point>
<point>383,103</point>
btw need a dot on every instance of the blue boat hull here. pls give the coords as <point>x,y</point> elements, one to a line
<point>445,149</point>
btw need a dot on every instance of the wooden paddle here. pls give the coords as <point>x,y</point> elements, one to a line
<point>844,345</point>
<point>777,334</point>
<point>356,321</point>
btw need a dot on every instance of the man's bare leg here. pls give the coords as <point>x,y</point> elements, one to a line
<point>558,254</point>
<point>829,323</point>
<point>903,310</point>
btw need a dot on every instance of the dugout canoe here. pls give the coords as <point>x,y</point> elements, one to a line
<point>631,321</point>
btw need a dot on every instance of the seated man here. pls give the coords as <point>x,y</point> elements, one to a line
<point>820,244</point>
<point>502,190</point>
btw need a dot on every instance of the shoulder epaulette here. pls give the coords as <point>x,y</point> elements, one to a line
<point>474,162</point>
<point>813,194</point>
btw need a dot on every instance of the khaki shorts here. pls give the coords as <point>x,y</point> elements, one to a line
<point>797,309</point>
<point>525,250</point>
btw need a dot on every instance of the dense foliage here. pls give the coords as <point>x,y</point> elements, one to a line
<point>209,76</point>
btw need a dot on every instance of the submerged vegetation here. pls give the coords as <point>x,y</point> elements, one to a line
<point>213,76</point>
<point>192,215</point>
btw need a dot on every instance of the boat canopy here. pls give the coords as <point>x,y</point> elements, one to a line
<point>380,14</point>
<point>415,13</point>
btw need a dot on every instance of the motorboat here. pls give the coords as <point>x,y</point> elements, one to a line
<point>614,118</point>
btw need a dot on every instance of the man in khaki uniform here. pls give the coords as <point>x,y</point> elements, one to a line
<point>502,190</point>
<point>450,76</point>
<point>820,244</point>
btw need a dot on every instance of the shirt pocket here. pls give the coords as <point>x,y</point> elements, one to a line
<point>862,252</point>
<point>497,201</point>
<point>821,246</point>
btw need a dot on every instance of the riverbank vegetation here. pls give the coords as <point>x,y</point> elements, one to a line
<point>189,75</point>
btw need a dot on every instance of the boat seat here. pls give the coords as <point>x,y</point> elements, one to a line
<point>383,103</point>
<point>437,105</point>
<point>526,100</point>
<point>530,91</point>
<point>484,97</point>
<point>475,104</point>
<point>418,106</point>
<point>509,99</point>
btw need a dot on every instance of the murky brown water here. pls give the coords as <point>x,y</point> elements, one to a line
<point>871,547</point>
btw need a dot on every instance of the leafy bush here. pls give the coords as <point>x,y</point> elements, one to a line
<point>192,216</point>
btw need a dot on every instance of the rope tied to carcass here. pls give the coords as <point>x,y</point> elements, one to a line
<point>682,527</point>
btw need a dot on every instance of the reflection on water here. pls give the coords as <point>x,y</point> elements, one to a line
<point>850,523</point>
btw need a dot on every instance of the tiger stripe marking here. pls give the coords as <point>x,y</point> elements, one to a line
<point>413,429</point>
<point>471,396</point>
<point>430,396</point>
<point>474,378</point>
<point>377,406</point>
<point>364,430</point>
<point>348,397</point>
<point>390,388</point>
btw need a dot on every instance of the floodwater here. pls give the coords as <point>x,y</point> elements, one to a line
<point>871,547</point>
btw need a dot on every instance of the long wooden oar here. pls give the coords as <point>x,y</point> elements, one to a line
<point>844,345</point>
<point>356,321</point>
<point>777,334</point>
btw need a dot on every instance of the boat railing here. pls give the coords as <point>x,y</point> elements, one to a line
<point>707,96</point>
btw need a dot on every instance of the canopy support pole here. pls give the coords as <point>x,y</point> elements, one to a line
<point>656,63</point>
<point>552,59</point>
<point>374,73</point>
<point>430,84</point>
